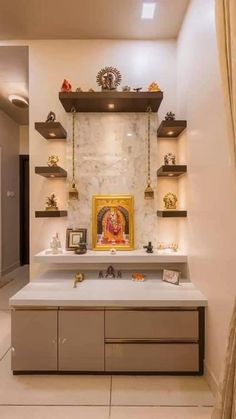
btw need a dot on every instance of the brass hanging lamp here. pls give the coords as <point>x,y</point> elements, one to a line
<point>73,192</point>
<point>149,192</point>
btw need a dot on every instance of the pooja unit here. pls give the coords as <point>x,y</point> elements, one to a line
<point>172,224</point>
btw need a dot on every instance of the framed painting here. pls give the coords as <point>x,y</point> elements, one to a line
<point>73,237</point>
<point>113,222</point>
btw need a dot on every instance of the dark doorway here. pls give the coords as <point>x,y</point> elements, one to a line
<point>24,209</point>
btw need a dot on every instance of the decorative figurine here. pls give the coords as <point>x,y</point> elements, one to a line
<point>55,246</point>
<point>79,277</point>
<point>66,86</point>
<point>167,246</point>
<point>91,90</point>
<point>51,117</point>
<point>78,89</point>
<point>138,277</point>
<point>110,272</point>
<point>153,87</point>
<point>82,247</point>
<point>100,275</point>
<point>53,160</point>
<point>113,251</point>
<point>119,274</point>
<point>109,78</point>
<point>51,203</point>
<point>126,89</point>
<point>170,116</point>
<point>137,89</point>
<point>149,247</point>
<point>170,201</point>
<point>169,159</point>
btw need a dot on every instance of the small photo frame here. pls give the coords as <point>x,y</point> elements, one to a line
<point>171,276</point>
<point>73,237</point>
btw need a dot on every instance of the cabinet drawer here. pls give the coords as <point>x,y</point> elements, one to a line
<point>131,324</point>
<point>160,357</point>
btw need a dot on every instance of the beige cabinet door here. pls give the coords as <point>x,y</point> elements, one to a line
<point>34,340</point>
<point>81,340</point>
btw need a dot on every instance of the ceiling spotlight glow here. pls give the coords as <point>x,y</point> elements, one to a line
<point>19,101</point>
<point>111,106</point>
<point>148,10</point>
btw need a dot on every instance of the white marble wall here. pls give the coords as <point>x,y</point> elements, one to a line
<point>111,158</point>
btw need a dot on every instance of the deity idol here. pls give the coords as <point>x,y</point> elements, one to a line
<point>113,227</point>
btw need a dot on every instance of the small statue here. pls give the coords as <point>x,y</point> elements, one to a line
<point>79,277</point>
<point>153,87</point>
<point>51,203</point>
<point>167,246</point>
<point>170,116</point>
<point>126,89</point>
<point>78,90</point>
<point>53,160</point>
<point>149,247</point>
<point>113,251</point>
<point>91,90</point>
<point>137,89</point>
<point>169,159</point>
<point>66,86</point>
<point>110,272</point>
<point>119,274</point>
<point>82,247</point>
<point>109,78</point>
<point>100,275</point>
<point>138,277</point>
<point>170,201</point>
<point>51,117</point>
<point>55,246</point>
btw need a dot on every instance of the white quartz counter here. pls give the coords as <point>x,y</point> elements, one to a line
<point>48,292</point>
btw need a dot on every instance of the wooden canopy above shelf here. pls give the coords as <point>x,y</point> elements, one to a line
<point>51,130</point>
<point>51,172</point>
<point>171,129</point>
<point>111,101</point>
<point>172,213</point>
<point>171,170</point>
<point>49,214</point>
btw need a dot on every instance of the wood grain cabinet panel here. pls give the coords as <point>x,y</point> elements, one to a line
<point>152,357</point>
<point>131,324</point>
<point>34,340</point>
<point>81,340</point>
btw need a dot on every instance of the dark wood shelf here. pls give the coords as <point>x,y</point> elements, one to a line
<point>171,170</point>
<point>171,129</point>
<point>51,130</point>
<point>171,213</point>
<point>51,172</point>
<point>49,214</point>
<point>111,101</point>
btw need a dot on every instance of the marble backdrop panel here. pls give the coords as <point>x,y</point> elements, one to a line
<point>111,158</point>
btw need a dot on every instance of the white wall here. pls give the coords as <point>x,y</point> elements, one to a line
<point>9,142</point>
<point>24,139</point>
<point>211,176</point>
<point>79,61</point>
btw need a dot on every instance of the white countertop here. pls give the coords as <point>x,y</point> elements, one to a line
<point>93,256</point>
<point>49,292</point>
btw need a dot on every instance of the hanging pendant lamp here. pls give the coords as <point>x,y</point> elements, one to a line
<point>73,192</point>
<point>149,192</point>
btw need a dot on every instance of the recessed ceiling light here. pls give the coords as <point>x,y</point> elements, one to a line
<point>19,101</point>
<point>111,105</point>
<point>52,134</point>
<point>148,10</point>
<point>170,132</point>
<point>129,134</point>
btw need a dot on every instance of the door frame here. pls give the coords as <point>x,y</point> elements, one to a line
<point>23,158</point>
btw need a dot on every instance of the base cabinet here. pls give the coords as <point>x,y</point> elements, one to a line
<point>81,340</point>
<point>156,340</point>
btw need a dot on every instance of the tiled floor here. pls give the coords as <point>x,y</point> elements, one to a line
<point>90,397</point>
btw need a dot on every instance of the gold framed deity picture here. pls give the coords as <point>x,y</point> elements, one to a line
<point>113,222</point>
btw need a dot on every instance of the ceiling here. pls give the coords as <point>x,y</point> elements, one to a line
<point>14,80</point>
<point>89,19</point>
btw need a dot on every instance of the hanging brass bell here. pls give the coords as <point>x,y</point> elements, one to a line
<point>73,192</point>
<point>149,192</point>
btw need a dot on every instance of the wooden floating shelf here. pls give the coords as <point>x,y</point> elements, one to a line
<point>171,213</point>
<point>51,130</point>
<point>171,129</point>
<point>111,101</point>
<point>49,214</point>
<point>51,172</point>
<point>171,170</point>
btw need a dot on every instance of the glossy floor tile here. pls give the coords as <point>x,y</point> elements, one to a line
<point>160,391</point>
<point>5,331</point>
<point>52,389</point>
<point>160,413</point>
<point>51,412</point>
